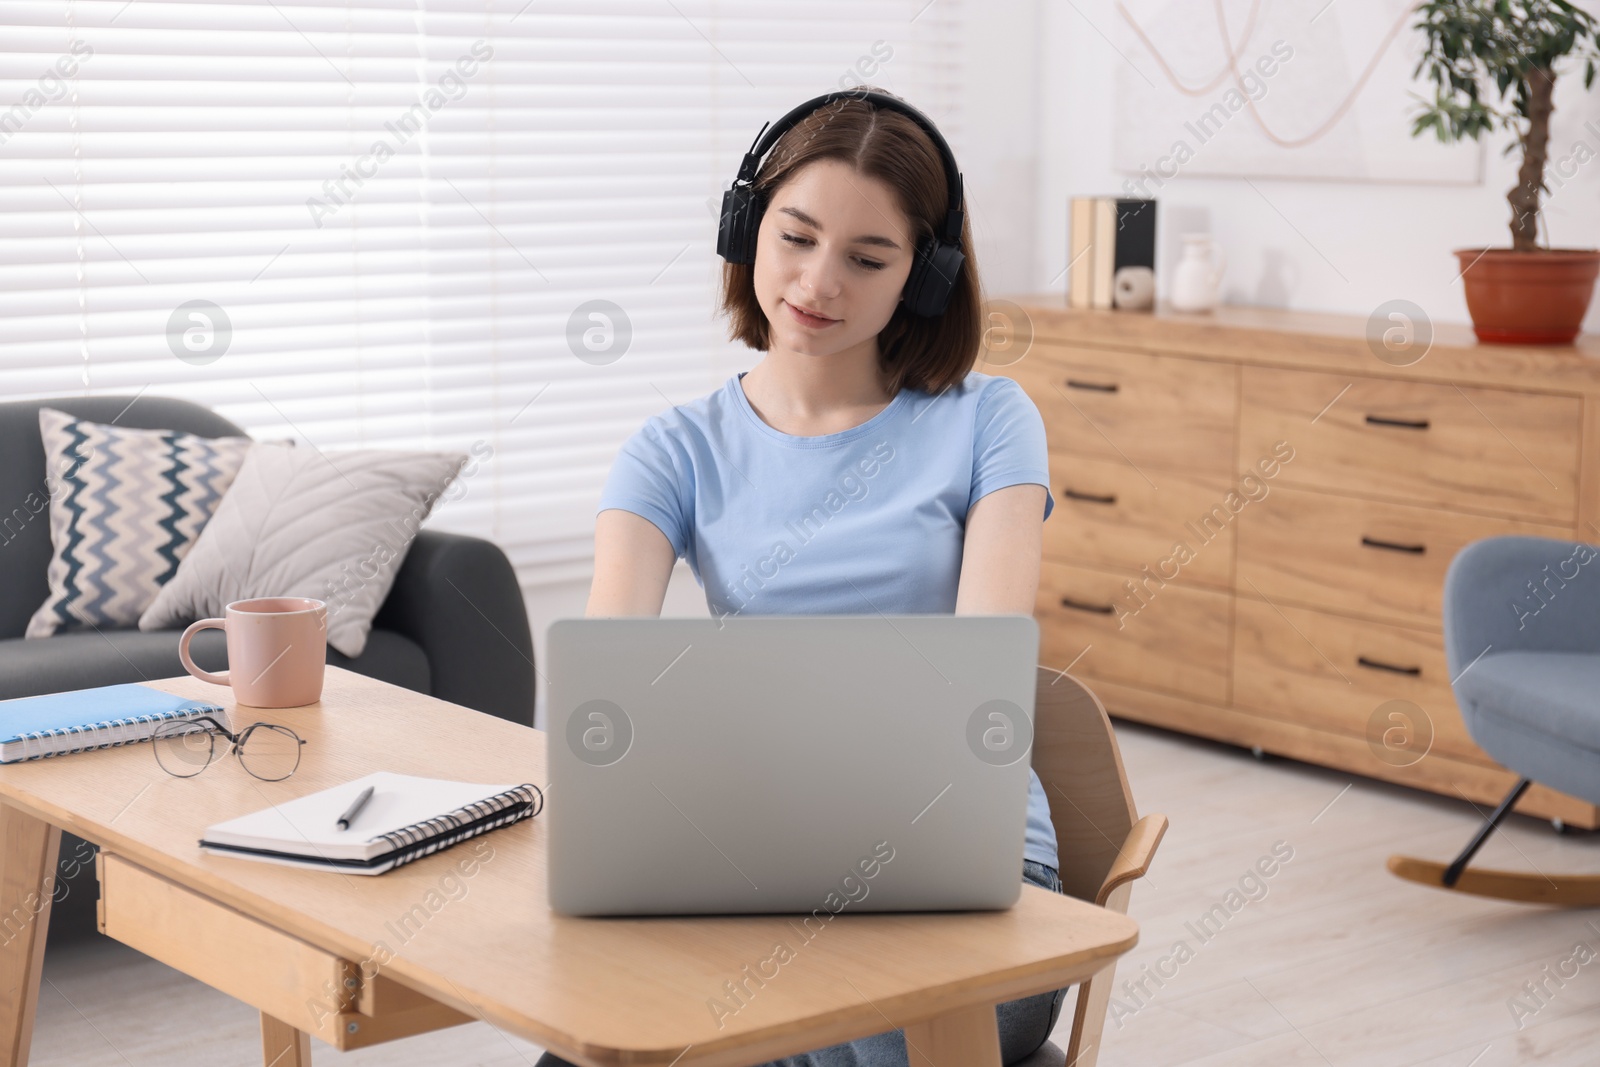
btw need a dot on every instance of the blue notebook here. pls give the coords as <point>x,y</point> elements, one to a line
<point>105,717</point>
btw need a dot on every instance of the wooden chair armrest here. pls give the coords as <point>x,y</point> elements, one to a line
<point>1133,859</point>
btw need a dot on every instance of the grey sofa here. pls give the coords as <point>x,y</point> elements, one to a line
<point>454,624</point>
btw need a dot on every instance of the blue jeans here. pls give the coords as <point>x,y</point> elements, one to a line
<point>1024,1024</point>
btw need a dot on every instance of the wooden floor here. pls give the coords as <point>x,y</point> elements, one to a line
<point>1330,962</point>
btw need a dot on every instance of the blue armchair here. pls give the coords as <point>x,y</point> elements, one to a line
<point>1522,639</point>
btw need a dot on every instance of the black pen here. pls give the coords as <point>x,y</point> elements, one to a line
<point>355,808</point>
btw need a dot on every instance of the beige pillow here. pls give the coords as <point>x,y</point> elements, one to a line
<point>300,522</point>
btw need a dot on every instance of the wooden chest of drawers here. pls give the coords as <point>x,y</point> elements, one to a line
<point>1254,515</point>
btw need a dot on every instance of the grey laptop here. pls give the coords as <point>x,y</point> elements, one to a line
<point>818,764</point>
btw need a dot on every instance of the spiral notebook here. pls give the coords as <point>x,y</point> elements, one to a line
<point>82,719</point>
<point>406,818</point>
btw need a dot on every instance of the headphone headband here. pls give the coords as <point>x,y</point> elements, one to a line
<point>937,265</point>
<point>770,133</point>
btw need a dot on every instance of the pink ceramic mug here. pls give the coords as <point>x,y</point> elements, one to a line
<point>277,647</point>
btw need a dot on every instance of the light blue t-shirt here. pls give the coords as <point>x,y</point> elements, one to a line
<point>870,519</point>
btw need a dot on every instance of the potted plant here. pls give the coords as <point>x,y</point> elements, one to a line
<point>1493,64</point>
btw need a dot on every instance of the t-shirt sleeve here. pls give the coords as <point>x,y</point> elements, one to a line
<point>1009,445</point>
<point>652,477</point>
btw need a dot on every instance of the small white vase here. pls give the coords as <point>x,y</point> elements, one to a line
<point>1198,280</point>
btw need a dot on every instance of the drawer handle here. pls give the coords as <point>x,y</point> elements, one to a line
<point>1404,424</point>
<point>1373,542</point>
<point>1073,494</point>
<point>1078,605</point>
<point>1379,665</point>
<point>1095,387</point>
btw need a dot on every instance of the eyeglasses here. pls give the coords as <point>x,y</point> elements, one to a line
<point>186,748</point>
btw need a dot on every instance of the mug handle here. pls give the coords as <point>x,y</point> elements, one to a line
<point>183,650</point>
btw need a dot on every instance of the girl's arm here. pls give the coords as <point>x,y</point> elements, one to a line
<point>1001,552</point>
<point>632,563</point>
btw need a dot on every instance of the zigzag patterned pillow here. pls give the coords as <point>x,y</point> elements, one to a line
<point>123,513</point>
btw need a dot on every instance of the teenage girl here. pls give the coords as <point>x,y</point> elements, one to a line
<point>861,466</point>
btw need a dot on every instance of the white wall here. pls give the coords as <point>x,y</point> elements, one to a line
<point>998,148</point>
<point>1387,240</point>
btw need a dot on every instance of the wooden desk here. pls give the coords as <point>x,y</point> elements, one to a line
<point>445,940</point>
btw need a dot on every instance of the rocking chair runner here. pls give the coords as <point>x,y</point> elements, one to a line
<point>1102,844</point>
<point>1522,639</point>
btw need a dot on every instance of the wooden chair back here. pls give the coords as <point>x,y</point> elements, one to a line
<point>1076,757</point>
<point>1101,843</point>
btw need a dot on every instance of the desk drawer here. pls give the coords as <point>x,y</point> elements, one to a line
<point>1362,557</point>
<point>1418,442</point>
<point>1171,637</point>
<point>1106,514</point>
<point>306,987</point>
<point>1151,412</point>
<point>1325,670</point>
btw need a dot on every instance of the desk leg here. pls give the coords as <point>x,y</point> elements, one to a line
<point>969,1037</point>
<point>282,1045</point>
<point>28,849</point>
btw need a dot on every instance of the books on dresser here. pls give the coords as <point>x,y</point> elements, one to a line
<point>1111,252</point>
<point>404,819</point>
<point>104,717</point>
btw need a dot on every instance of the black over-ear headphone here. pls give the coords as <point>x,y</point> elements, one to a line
<point>938,261</point>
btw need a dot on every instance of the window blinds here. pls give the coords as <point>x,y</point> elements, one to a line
<point>483,225</point>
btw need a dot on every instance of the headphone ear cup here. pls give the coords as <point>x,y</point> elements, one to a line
<point>739,223</point>
<point>933,277</point>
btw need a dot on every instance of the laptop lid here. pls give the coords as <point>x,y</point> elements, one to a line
<point>789,763</point>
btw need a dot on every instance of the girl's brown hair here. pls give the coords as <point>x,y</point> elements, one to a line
<point>931,354</point>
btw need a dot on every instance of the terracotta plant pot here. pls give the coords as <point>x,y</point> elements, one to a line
<point>1529,298</point>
